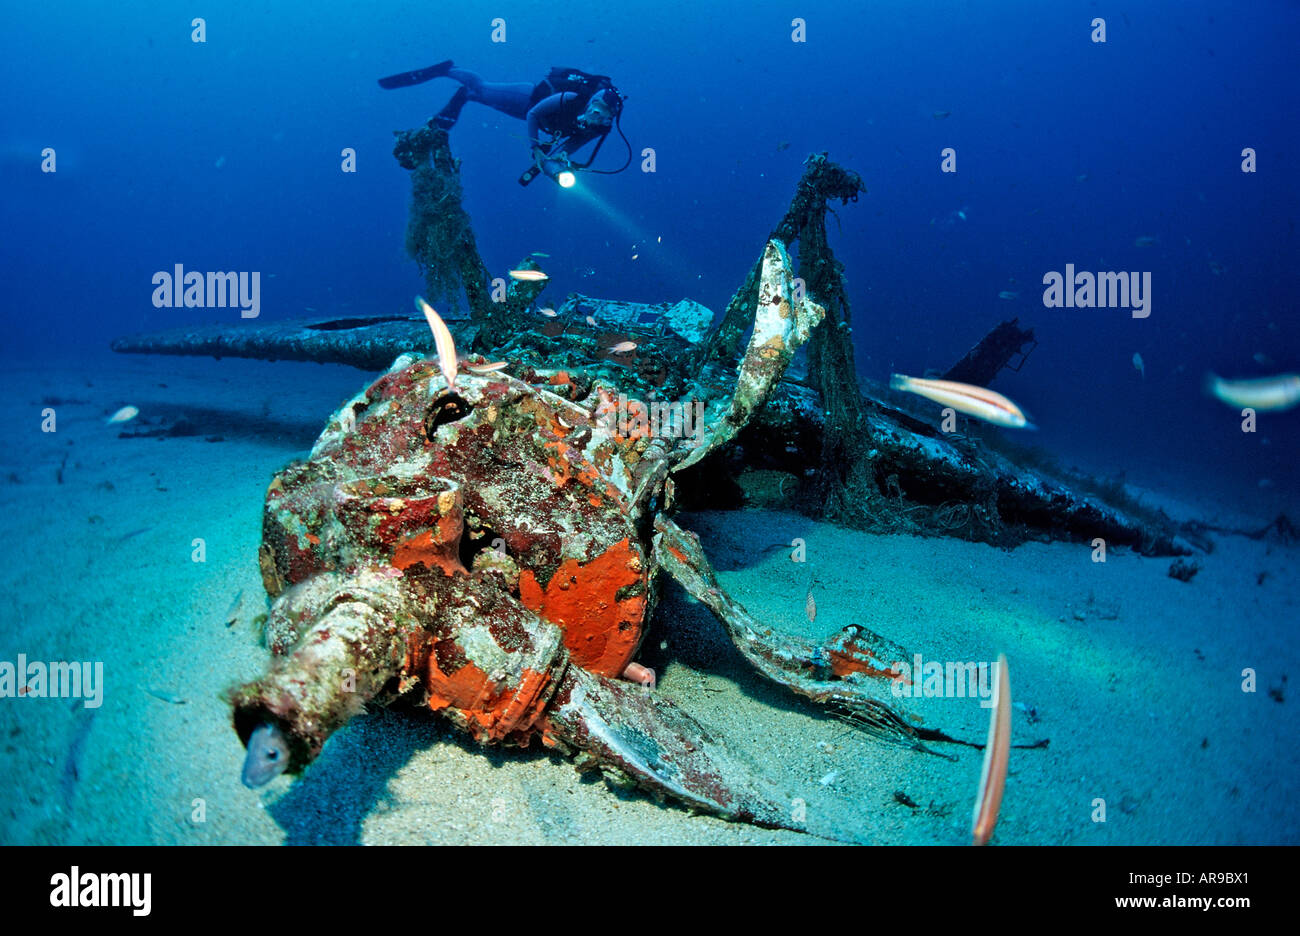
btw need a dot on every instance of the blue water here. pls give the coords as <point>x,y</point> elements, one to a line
<point>226,154</point>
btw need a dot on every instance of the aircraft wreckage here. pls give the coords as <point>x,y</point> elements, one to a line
<point>860,455</point>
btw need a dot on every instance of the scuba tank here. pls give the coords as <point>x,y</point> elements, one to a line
<point>572,81</point>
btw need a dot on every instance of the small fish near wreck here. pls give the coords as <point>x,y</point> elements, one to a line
<point>125,414</point>
<point>442,340</point>
<point>997,752</point>
<point>498,566</point>
<point>987,405</point>
<point>1266,394</point>
<point>529,276</point>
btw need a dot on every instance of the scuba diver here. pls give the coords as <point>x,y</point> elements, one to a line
<point>572,107</point>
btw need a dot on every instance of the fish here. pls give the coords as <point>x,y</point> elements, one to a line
<point>232,612</point>
<point>549,313</point>
<point>973,401</point>
<point>1217,268</point>
<point>623,347</point>
<point>810,607</point>
<point>1267,394</point>
<point>1081,177</point>
<point>1262,359</point>
<point>634,256</point>
<point>591,320</point>
<point>1146,240</point>
<point>125,414</point>
<point>782,146</point>
<point>529,276</point>
<point>940,115</point>
<point>163,695</point>
<point>135,533</point>
<point>538,253</point>
<point>488,368</point>
<point>267,757</point>
<point>443,340</point>
<point>1008,294</point>
<point>993,776</point>
<point>1137,363</point>
<point>83,720</point>
<point>951,218</point>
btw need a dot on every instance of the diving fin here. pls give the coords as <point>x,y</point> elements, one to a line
<point>419,76</point>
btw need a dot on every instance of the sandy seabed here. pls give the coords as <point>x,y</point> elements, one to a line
<point>1133,677</point>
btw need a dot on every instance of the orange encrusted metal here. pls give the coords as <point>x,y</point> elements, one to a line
<point>492,708</point>
<point>601,631</point>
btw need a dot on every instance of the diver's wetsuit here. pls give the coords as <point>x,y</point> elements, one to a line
<point>509,97</point>
<point>534,103</point>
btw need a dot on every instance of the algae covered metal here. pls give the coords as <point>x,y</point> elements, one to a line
<point>492,552</point>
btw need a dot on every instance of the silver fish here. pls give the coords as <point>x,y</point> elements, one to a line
<point>973,401</point>
<point>442,341</point>
<point>1265,394</point>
